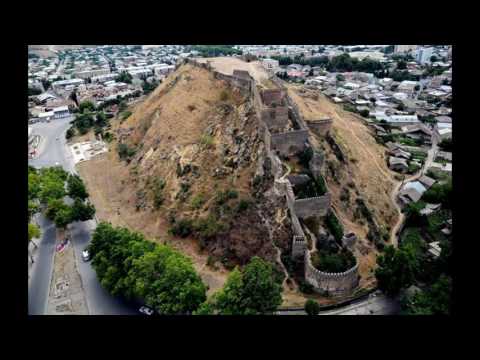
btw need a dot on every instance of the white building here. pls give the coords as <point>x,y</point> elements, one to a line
<point>90,73</point>
<point>270,64</point>
<point>404,48</point>
<point>61,112</point>
<point>65,83</point>
<point>424,55</point>
<point>104,78</point>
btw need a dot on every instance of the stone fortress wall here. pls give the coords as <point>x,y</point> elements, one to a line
<point>274,108</point>
<point>332,284</point>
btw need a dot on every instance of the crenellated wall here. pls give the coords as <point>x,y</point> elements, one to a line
<point>331,284</point>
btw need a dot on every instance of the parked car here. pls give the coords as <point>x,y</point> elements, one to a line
<point>85,255</point>
<point>146,310</point>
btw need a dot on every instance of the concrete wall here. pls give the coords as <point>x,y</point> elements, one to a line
<point>318,206</point>
<point>290,142</point>
<point>332,284</point>
<point>320,127</point>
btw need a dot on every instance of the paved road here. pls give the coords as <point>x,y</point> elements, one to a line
<point>42,269</point>
<point>52,151</point>
<point>373,305</point>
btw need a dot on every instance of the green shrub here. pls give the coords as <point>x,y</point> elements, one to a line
<point>334,226</point>
<point>207,141</point>
<point>312,307</point>
<point>125,114</point>
<point>326,261</point>
<point>198,201</point>
<point>224,95</point>
<point>242,205</point>
<point>158,186</point>
<point>182,228</point>
<point>207,228</point>
<point>125,152</point>
<point>222,197</point>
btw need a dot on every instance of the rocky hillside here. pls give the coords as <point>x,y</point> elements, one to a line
<point>190,152</point>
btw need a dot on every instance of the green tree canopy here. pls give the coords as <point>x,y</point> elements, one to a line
<point>86,105</point>
<point>312,307</point>
<point>252,291</point>
<point>436,300</point>
<point>76,188</point>
<point>129,265</point>
<point>396,269</point>
<point>81,211</point>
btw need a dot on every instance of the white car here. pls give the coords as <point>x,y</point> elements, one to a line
<point>85,255</point>
<point>146,310</point>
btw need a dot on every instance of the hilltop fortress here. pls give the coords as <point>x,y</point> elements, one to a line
<point>285,133</point>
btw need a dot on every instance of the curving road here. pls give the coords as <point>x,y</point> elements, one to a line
<point>52,151</point>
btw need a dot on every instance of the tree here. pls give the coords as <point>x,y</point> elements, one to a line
<point>86,105</point>
<point>81,211</point>
<point>101,119</point>
<point>252,291</point>
<point>124,77</point>
<point>167,281</point>
<point>129,265</point>
<point>365,112</point>
<point>73,97</point>
<point>433,58</point>
<point>63,217</point>
<point>396,269</point>
<point>401,65</point>
<point>76,188</point>
<point>51,189</point>
<point>436,300</point>
<point>340,77</point>
<point>312,307</point>
<point>440,193</point>
<point>417,87</point>
<point>70,133</point>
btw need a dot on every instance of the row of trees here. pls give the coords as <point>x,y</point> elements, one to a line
<point>340,63</point>
<point>47,188</point>
<point>215,50</point>
<point>128,265</point>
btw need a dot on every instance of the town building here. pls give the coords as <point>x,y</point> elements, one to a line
<point>404,48</point>
<point>424,55</point>
<point>270,64</point>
